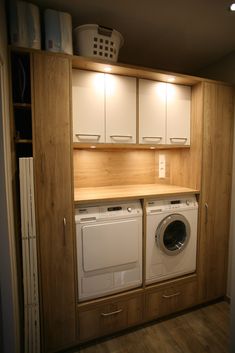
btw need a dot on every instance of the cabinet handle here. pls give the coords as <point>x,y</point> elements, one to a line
<point>88,135</point>
<point>178,139</point>
<point>121,136</point>
<point>171,295</point>
<point>112,313</point>
<point>206,213</point>
<point>64,227</point>
<point>152,137</point>
<point>42,168</point>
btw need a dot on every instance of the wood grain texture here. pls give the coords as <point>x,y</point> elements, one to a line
<point>169,299</point>
<point>52,163</point>
<point>79,62</point>
<point>216,189</point>
<point>199,331</point>
<point>105,168</point>
<point>107,318</point>
<point>185,165</point>
<point>138,191</point>
<point>125,146</point>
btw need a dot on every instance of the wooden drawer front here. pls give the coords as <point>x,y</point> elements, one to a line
<point>110,317</point>
<point>170,299</point>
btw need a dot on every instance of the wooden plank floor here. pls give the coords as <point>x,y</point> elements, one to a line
<point>205,330</point>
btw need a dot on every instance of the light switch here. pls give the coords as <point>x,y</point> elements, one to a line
<point>162,166</point>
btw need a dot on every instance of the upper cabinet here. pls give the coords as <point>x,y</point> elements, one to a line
<point>164,113</point>
<point>152,112</point>
<point>104,108</point>
<point>178,111</point>
<point>88,97</point>
<point>120,104</point>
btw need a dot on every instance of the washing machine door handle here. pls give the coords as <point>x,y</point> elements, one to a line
<point>173,234</point>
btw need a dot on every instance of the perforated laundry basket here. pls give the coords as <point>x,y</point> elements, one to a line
<point>97,41</point>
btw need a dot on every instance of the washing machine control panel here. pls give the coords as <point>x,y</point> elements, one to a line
<point>164,205</point>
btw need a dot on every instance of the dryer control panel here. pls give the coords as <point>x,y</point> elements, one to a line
<point>111,211</point>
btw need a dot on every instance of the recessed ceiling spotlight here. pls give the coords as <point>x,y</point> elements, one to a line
<point>92,146</point>
<point>152,148</point>
<point>107,69</point>
<point>232,7</point>
<point>171,79</point>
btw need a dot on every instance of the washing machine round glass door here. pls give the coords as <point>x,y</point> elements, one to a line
<point>172,234</point>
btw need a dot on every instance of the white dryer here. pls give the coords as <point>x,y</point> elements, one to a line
<point>171,238</point>
<point>109,248</point>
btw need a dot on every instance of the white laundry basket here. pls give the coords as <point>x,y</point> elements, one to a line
<point>97,41</point>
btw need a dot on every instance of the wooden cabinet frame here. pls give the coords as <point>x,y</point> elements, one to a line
<point>212,112</point>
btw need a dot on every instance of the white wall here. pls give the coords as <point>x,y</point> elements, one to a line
<point>223,70</point>
<point>9,313</point>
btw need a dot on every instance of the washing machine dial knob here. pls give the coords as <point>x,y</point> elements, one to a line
<point>187,202</point>
<point>129,209</point>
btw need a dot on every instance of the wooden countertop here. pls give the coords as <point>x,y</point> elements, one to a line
<point>120,192</point>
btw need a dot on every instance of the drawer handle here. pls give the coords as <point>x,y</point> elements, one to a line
<point>165,296</point>
<point>121,136</point>
<point>206,216</point>
<point>64,228</point>
<point>88,135</point>
<point>152,137</point>
<point>178,139</point>
<point>112,313</point>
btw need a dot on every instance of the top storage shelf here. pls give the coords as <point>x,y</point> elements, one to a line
<point>79,62</point>
<point>21,88</point>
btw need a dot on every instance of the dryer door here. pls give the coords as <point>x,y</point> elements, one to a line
<point>172,234</point>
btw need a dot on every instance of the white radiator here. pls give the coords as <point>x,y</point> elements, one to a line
<point>29,257</point>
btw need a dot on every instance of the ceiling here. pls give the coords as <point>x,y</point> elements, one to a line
<point>177,35</point>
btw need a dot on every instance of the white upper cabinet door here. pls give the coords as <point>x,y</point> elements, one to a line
<point>178,114</point>
<point>120,109</point>
<point>152,112</point>
<point>88,106</point>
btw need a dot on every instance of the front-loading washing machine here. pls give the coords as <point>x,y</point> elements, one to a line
<point>171,238</point>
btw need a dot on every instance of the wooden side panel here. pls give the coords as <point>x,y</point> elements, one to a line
<point>52,152</point>
<point>185,165</point>
<point>216,189</point>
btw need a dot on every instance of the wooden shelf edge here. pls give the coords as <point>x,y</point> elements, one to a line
<point>93,64</point>
<point>136,291</point>
<point>126,146</point>
<point>129,192</point>
<point>110,297</point>
<point>25,141</point>
<point>22,105</point>
<point>171,281</point>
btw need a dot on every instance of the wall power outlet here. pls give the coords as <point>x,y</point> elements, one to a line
<point>162,166</point>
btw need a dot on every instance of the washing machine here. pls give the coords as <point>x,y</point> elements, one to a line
<point>171,238</point>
